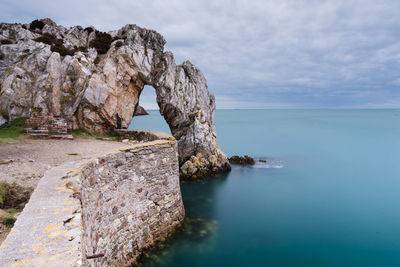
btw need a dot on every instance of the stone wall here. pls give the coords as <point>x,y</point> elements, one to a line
<point>130,200</point>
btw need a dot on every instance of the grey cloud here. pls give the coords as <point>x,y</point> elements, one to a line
<point>288,53</point>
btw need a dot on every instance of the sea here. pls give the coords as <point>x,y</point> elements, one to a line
<point>325,193</point>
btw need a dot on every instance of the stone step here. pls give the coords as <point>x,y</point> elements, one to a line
<point>31,131</point>
<point>39,134</point>
<point>62,136</point>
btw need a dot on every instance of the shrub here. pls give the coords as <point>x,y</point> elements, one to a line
<point>81,48</point>
<point>1,56</point>
<point>9,222</point>
<point>102,42</point>
<point>13,195</point>
<point>97,60</point>
<point>24,26</point>
<point>88,29</point>
<point>56,44</point>
<point>62,50</point>
<point>36,24</point>
<point>118,44</point>
<point>6,41</point>
<point>48,39</point>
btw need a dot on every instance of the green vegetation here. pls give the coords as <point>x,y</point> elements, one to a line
<point>102,42</point>
<point>56,44</point>
<point>13,196</point>
<point>12,200</point>
<point>11,131</point>
<point>97,60</point>
<point>72,154</point>
<point>88,29</point>
<point>36,24</point>
<point>9,221</point>
<point>12,211</point>
<point>119,44</point>
<point>102,136</point>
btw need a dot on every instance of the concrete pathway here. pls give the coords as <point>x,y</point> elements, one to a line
<point>48,231</point>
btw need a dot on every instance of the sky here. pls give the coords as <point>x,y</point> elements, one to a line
<point>259,54</point>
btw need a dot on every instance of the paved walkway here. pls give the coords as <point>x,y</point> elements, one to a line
<point>48,231</point>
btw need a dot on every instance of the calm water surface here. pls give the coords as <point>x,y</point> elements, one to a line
<point>329,194</point>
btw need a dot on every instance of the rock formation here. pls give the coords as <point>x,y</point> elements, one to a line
<point>242,160</point>
<point>91,78</point>
<point>140,111</point>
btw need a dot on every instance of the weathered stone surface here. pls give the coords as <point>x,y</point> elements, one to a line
<point>89,77</point>
<point>130,200</point>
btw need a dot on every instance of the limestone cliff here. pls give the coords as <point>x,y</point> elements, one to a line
<point>90,77</point>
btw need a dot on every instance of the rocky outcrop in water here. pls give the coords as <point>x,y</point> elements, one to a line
<point>242,160</point>
<point>91,78</point>
<point>140,111</point>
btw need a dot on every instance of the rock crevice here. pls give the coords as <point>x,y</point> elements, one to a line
<point>88,77</point>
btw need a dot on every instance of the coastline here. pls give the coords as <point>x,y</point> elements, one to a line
<point>70,184</point>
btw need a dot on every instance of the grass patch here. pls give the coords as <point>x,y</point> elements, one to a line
<point>11,131</point>
<point>101,136</point>
<point>12,211</point>
<point>13,198</point>
<point>9,221</point>
<point>72,154</point>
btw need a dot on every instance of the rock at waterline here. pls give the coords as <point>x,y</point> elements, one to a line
<point>242,160</point>
<point>140,111</point>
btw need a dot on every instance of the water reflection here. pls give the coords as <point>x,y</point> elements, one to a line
<point>198,232</point>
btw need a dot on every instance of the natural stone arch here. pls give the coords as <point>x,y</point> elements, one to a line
<point>90,86</point>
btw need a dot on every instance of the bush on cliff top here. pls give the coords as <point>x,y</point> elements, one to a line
<point>88,29</point>
<point>102,42</point>
<point>55,43</point>
<point>36,24</point>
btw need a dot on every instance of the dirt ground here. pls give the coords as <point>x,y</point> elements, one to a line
<point>26,161</point>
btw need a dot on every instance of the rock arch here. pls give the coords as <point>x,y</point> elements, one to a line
<point>64,72</point>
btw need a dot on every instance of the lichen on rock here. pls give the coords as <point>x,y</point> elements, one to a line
<point>89,77</point>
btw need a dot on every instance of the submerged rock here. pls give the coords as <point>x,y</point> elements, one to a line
<point>94,80</point>
<point>242,160</point>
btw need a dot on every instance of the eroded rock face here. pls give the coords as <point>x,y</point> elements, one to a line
<point>89,77</point>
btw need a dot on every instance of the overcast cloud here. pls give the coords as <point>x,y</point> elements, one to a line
<point>260,54</point>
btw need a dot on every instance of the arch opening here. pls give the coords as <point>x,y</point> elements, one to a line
<point>154,120</point>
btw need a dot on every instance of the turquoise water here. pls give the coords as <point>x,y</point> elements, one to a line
<point>329,194</point>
